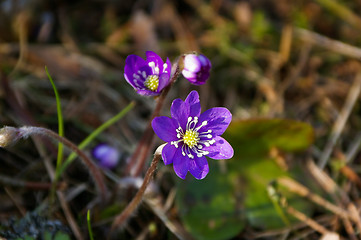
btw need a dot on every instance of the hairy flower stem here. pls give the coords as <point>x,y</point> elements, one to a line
<point>10,135</point>
<point>144,145</point>
<point>123,216</point>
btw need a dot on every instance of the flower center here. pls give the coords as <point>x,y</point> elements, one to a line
<point>191,138</point>
<point>152,82</point>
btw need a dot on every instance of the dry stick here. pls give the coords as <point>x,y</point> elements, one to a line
<point>342,12</point>
<point>303,218</point>
<point>328,43</point>
<point>297,188</point>
<point>296,226</point>
<point>339,196</point>
<point>26,117</point>
<point>64,204</point>
<point>120,219</point>
<point>21,209</point>
<point>5,180</point>
<point>142,148</point>
<point>341,121</point>
<point>353,211</point>
<point>326,182</point>
<point>175,227</point>
<point>95,172</point>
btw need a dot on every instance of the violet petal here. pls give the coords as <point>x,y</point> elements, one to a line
<point>218,120</point>
<point>180,111</point>
<point>198,167</point>
<point>168,153</point>
<point>194,104</point>
<point>147,92</point>
<point>221,149</point>
<point>153,57</point>
<point>165,128</point>
<point>180,164</point>
<point>169,67</point>
<point>163,81</point>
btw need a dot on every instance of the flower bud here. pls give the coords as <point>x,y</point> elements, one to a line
<point>9,136</point>
<point>107,156</point>
<point>196,68</point>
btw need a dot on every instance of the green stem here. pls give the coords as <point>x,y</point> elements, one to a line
<point>93,135</point>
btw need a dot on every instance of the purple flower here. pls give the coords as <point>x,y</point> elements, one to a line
<point>196,68</point>
<point>191,136</point>
<point>147,77</point>
<point>107,156</point>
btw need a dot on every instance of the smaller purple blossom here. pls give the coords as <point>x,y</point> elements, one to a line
<point>196,68</point>
<point>148,77</point>
<point>191,136</point>
<point>107,156</point>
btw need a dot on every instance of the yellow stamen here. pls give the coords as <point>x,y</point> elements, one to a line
<point>152,82</point>
<point>191,138</point>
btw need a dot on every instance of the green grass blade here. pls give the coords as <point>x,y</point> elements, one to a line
<point>94,134</point>
<point>89,226</point>
<point>60,120</point>
<point>275,199</point>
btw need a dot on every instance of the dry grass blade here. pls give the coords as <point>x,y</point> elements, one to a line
<point>297,188</point>
<point>303,218</point>
<point>175,227</point>
<point>330,44</point>
<point>338,126</point>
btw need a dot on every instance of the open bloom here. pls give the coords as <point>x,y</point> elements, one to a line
<point>191,136</point>
<point>196,68</point>
<point>148,77</point>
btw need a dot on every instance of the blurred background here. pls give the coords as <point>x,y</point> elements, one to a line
<point>287,70</point>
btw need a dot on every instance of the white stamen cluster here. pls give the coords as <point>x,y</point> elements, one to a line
<point>193,140</point>
<point>148,82</point>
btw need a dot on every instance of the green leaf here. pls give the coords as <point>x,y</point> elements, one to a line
<point>208,208</point>
<point>217,207</point>
<point>256,137</point>
<point>252,141</point>
<point>260,211</point>
<point>58,236</point>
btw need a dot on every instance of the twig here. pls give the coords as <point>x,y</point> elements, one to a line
<point>142,148</point>
<point>303,218</point>
<point>69,216</point>
<point>297,188</point>
<point>353,148</point>
<point>26,117</point>
<point>339,196</point>
<point>328,43</point>
<point>341,121</point>
<point>342,12</point>
<point>10,135</point>
<point>123,216</point>
<point>5,180</point>
<point>21,209</point>
<point>173,226</point>
<point>353,211</point>
<point>64,204</point>
<point>271,233</point>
